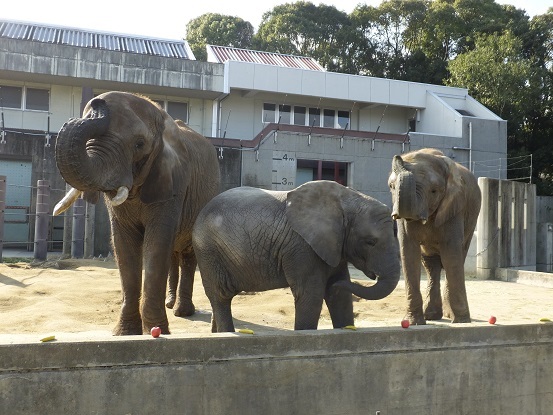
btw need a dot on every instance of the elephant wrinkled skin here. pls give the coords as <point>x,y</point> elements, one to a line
<point>156,174</point>
<point>249,239</point>
<point>436,203</point>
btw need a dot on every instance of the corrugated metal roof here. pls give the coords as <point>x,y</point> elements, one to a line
<point>98,40</point>
<point>221,54</point>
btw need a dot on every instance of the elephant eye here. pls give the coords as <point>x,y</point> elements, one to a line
<point>371,242</point>
<point>139,145</point>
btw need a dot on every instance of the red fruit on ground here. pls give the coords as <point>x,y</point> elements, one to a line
<point>404,323</point>
<point>155,331</point>
<point>492,320</point>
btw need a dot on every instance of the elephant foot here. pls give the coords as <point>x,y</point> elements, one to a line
<point>458,318</point>
<point>170,301</point>
<point>415,319</point>
<point>462,319</point>
<point>128,328</point>
<point>433,314</point>
<point>184,309</point>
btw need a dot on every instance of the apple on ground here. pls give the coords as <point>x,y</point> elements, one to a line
<point>492,320</point>
<point>404,323</point>
<point>155,331</point>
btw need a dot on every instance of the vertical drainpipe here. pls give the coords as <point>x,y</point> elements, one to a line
<point>470,147</point>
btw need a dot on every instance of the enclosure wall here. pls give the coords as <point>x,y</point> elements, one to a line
<point>421,370</point>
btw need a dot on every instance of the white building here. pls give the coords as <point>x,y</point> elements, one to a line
<point>276,120</point>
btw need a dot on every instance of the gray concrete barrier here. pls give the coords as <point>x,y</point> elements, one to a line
<point>420,370</point>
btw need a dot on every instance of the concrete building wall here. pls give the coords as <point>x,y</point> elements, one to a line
<point>385,119</point>
<point>422,370</point>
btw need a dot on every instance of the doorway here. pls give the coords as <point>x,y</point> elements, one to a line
<point>308,170</point>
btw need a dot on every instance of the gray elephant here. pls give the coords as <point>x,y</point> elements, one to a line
<point>156,175</point>
<point>436,203</point>
<point>249,239</point>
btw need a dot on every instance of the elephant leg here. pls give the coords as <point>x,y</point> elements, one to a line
<point>308,303</point>
<point>339,302</point>
<point>185,307</point>
<point>221,319</point>
<point>411,262</point>
<point>433,309</point>
<point>173,281</point>
<point>456,305</point>
<point>128,254</point>
<point>158,249</point>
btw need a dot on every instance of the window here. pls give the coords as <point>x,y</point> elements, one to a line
<point>11,96</point>
<point>314,117</point>
<point>284,114</point>
<point>328,118</point>
<point>37,99</point>
<point>343,120</point>
<point>178,110</point>
<point>269,112</point>
<point>299,115</point>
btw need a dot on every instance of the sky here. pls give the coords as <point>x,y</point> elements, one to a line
<point>167,19</point>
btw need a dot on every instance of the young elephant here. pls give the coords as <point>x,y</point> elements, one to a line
<point>249,239</point>
<point>436,205</point>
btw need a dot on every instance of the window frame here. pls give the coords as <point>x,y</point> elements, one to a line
<point>26,99</point>
<point>21,101</point>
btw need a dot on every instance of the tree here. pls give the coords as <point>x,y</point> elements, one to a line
<point>387,38</point>
<point>217,29</point>
<point>499,76</point>
<point>305,29</point>
<point>496,73</point>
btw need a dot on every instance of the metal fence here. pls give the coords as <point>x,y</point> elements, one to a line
<point>41,235</point>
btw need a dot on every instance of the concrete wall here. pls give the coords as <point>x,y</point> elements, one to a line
<point>368,168</point>
<point>362,89</point>
<point>426,370</point>
<point>63,64</point>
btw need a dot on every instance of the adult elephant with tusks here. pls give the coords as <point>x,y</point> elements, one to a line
<point>436,204</point>
<point>249,239</point>
<point>156,174</point>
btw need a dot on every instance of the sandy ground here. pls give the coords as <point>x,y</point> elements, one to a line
<point>81,298</point>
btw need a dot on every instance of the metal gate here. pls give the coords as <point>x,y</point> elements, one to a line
<point>18,201</point>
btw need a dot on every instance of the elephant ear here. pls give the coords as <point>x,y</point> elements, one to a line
<point>314,210</point>
<point>451,204</point>
<point>158,185</point>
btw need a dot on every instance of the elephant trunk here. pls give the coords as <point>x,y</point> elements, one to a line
<point>405,200</point>
<point>383,287</point>
<point>76,166</point>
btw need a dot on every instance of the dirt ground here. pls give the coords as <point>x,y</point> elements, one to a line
<point>81,298</point>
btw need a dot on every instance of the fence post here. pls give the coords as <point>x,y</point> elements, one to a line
<point>487,229</point>
<point>67,230</point>
<point>89,230</point>
<point>42,219</point>
<point>77,239</point>
<point>2,208</point>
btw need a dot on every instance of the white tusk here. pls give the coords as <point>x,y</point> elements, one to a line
<point>120,197</point>
<point>67,201</point>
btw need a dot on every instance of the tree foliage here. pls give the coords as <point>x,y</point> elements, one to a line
<point>304,29</point>
<point>217,29</point>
